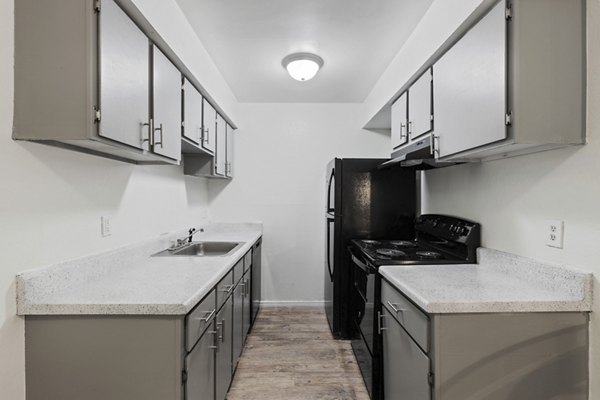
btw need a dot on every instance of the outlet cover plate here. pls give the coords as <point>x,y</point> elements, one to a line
<point>555,233</point>
<point>105,226</point>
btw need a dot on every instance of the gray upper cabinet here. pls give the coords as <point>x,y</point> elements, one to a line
<point>124,83</point>
<point>192,113</point>
<point>229,152</point>
<point>166,95</point>
<point>514,83</point>
<point>470,82</point>
<point>209,123</point>
<point>117,82</point>
<point>420,114</point>
<point>400,121</point>
<point>221,148</point>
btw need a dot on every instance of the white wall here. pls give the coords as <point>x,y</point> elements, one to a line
<point>438,23</point>
<point>281,153</point>
<point>52,199</point>
<point>514,198</point>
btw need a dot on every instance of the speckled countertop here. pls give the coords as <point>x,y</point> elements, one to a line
<point>129,281</point>
<point>501,282</point>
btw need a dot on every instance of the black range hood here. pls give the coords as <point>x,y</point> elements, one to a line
<point>417,155</point>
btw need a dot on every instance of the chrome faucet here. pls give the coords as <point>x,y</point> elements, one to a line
<point>184,241</point>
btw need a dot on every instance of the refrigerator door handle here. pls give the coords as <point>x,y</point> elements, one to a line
<point>329,244</point>
<point>329,183</point>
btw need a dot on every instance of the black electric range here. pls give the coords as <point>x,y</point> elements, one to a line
<point>439,239</point>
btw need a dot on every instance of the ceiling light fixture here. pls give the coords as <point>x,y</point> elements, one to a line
<point>302,66</point>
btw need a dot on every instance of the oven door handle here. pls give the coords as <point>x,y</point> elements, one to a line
<point>359,263</point>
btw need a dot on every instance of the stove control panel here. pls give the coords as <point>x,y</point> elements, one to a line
<point>449,228</point>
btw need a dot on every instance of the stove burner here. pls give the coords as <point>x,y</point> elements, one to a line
<point>403,243</point>
<point>429,254</point>
<point>374,242</point>
<point>391,252</point>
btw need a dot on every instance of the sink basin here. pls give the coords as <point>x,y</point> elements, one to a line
<point>203,249</point>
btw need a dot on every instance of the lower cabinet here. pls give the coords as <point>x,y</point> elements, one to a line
<point>150,357</point>
<point>499,356</point>
<point>238,320</point>
<point>224,349</point>
<point>200,367</point>
<point>405,365</point>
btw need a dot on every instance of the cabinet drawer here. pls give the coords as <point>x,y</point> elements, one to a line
<point>238,271</point>
<point>199,319</point>
<point>410,317</point>
<point>247,260</point>
<point>224,289</point>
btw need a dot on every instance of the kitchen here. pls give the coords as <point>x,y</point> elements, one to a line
<point>54,198</point>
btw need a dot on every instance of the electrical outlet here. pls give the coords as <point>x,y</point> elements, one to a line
<point>105,226</point>
<point>555,233</point>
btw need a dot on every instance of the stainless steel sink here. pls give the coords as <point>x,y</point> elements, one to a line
<point>203,249</point>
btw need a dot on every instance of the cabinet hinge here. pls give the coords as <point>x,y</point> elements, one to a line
<point>508,119</point>
<point>430,378</point>
<point>97,6</point>
<point>96,114</point>
<point>183,377</point>
<point>508,13</point>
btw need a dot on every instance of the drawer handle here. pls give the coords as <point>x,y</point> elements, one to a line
<point>227,289</point>
<point>396,310</point>
<point>208,317</point>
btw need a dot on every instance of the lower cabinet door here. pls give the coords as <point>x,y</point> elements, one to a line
<point>238,321</point>
<point>405,366</point>
<point>200,367</point>
<point>247,280</point>
<point>223,359</point>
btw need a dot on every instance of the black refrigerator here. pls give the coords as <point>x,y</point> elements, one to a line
<point>363,202</point>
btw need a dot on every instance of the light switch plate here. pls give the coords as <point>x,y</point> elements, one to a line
<point>555,233</point>
<point>105,226</point>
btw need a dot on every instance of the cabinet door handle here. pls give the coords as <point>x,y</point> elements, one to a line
<point>222,326</point>
<point>208,317</point>
<point>205,135</point>
<point>160,129</point>
<point>247,287</point>
<point>149,125</point>
<point>380,326</point>
<point>216,344</point>
<point>432,148</point>
<point>396,310</point>
<point>409,128</point>
<point>402,129</point>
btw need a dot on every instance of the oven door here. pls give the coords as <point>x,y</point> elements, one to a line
<point>364,287</point>
<point>364,318</point>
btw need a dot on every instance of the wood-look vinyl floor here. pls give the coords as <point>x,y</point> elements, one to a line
<point>291,354</point>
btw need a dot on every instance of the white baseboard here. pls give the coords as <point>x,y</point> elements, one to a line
<point>292,303</point>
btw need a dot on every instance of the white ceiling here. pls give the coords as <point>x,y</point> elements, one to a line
<point>357,39</point>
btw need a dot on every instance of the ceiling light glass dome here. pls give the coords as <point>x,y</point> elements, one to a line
<point>302,66</point>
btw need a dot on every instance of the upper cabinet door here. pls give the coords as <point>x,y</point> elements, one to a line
<point>124,79</point>
<point>470,87</point>
<point>229,158</point>
<point>166,95</point>
<point>420,113</point>
<point>399,122</point>
<point>209,123</point>
<point>192,113</point>
<point>221,156</point>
